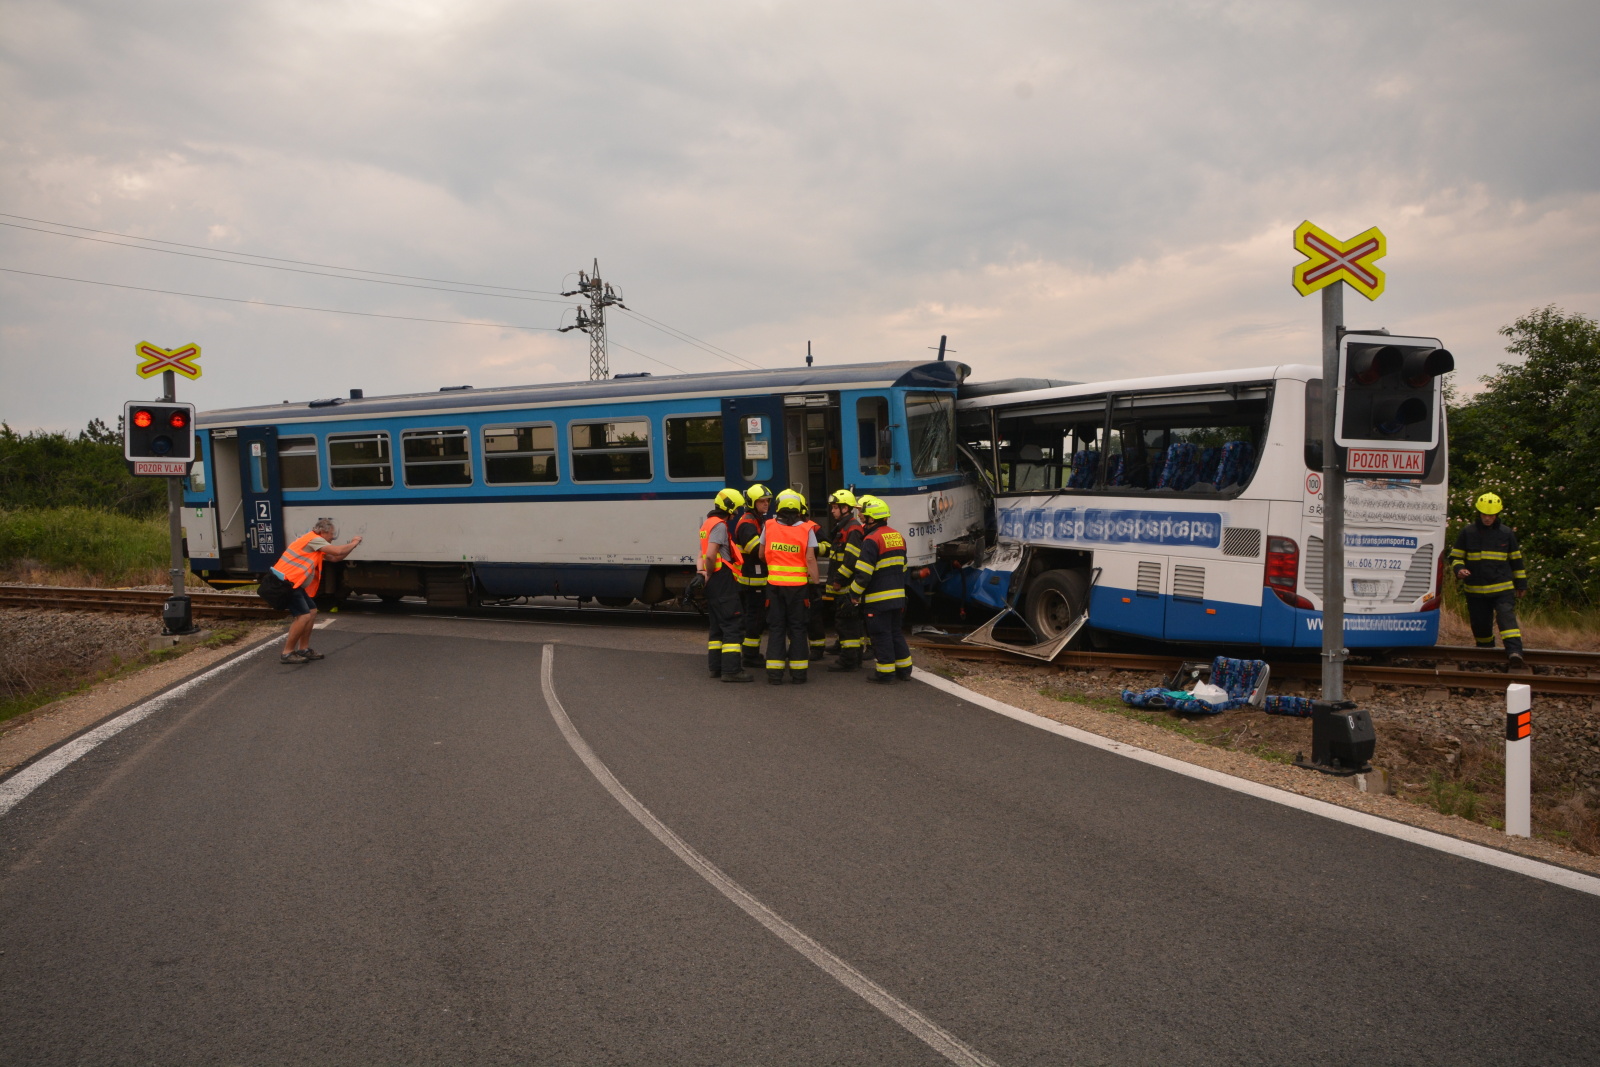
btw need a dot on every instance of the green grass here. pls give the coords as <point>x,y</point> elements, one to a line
<point>1453,798</point>
<point>101,543</point>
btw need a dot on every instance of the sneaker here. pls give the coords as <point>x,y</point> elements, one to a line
<point>738,676</point>
<point>297,656</point>
<point>311,653</point>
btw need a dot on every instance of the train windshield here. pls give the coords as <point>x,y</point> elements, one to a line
<point>931,421</point>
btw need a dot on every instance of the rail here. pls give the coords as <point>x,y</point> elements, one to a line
<point>207,605</point>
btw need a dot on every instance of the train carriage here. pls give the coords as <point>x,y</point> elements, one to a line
<point>1187,508</point>
<point>586,489</point>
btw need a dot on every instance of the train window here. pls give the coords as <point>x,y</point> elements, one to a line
<point>616,451</point>
<point>519,455</point>
<point>1204,441</point>
<point>436,457</point>
<point>1047,449</point>
<point>694,446</point>
<point>197,469</point>
<point>297,463</point>
<point>874,436</point>
<point>931,422</point>
<point>359,461</point>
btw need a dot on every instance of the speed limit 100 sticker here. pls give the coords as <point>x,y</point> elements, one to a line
<point>1314,484</point>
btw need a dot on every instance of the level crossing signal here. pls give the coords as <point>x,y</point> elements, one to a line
<point>158,438</point>
<point>1391,396</point>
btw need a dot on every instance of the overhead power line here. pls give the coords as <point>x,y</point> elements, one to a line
<point>269,304</point>
<point>274,259</point>
<point>652,359</point>
<point>689,339</point>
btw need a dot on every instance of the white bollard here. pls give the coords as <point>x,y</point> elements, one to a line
<point>1519,760</point>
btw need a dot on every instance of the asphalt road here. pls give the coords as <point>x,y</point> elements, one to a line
<point>394,856</point>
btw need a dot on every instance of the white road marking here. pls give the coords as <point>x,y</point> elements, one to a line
<point>1548,872</point>
<point>14,789</point>
<point>919,1025</point>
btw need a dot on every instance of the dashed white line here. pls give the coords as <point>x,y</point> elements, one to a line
<point>1583,883</point>
<point>919,1025</point>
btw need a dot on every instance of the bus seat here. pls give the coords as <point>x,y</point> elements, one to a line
<point>1235,463</point>
<point>1117,470</point>
<point>1085,465</point>
<point>1178,472</point>
<point>1206,471</point>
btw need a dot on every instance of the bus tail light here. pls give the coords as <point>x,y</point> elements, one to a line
<point>1437,597</point>
<point>1283,571</point>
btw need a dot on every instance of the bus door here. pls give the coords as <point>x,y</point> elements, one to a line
<point>811,444</point>
<point>752,428</point>
<point>263,502</point>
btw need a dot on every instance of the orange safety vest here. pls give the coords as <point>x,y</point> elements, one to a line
<point>299,567</point>
<point>784,548</point>
<point>705,542</point>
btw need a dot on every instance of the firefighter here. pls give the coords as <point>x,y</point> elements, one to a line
<point>844,550</point>
<point>879,586</point>
<point>788,546</point>
<point>1489,563</point>
<point>816,622</point>
<point>752,576</point>
<point>720,560</point>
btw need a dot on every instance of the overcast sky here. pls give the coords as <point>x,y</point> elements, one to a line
<point>1077,190</point>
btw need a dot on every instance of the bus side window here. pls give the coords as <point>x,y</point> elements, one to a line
<point>1314,424</point>
<point>1045,451</point>
<point>874,437</point>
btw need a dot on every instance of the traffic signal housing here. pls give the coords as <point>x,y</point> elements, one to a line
<point>1392,392</point>
<point>160,430</point>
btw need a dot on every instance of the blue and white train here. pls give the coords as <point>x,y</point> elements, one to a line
<point>587,489</point>
<point>1188,508</point>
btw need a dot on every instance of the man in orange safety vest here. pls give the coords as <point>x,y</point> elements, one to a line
<point>294,581</point>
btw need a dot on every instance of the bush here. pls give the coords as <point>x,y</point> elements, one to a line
<point>53,470</point>
<point>1533,436</point>
<point>99,542</point>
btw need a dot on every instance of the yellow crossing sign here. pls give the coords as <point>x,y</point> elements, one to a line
<point>1330,260</point>
<point>156,359</point>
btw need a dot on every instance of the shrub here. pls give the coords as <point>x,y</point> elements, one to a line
<point>102,543</point>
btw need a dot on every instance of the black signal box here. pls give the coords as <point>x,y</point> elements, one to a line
<point>159,431</point>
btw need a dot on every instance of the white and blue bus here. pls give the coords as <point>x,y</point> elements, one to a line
<point>587,489</point>
<point>1188,508</point>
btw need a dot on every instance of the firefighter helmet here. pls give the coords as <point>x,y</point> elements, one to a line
<point>729,499</point>
<point>789,500</point>
<point>874,509</point>
<point>757,492</point>
<point>1489,504</point>
<point>844,497</point>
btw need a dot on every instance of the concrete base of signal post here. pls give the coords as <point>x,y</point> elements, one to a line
<point>164,641</point>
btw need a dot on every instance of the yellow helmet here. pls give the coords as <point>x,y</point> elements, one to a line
<point>729,499</point>
<point>789,500</point>
<point>1489,504</point>
<point>843,496</point>
<point>875,509</point>
<point>757,492</point>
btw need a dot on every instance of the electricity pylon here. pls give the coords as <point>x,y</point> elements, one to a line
<point>601,296</point>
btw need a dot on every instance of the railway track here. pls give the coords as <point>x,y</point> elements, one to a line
<point>204,605</point>
<point>1443,666</point>
<point>1455,676</point>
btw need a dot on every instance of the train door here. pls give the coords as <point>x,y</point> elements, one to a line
<point>811,444</point>
<point>752,428</point>
<point>262,499</point>
<point>225,469</point>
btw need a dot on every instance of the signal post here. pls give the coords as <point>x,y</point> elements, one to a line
<point>158,441</point>
<point>1382,413</point>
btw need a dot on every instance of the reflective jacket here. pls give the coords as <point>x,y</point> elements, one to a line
<point>299,566</point>
<point>880,573</point>
<point>844,551</point>
<point>712,521</point>
<point>747,538</point>
<point>1492,555</point>
<point>783,547</point>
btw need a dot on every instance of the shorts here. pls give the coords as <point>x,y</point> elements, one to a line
<point>300,604</point>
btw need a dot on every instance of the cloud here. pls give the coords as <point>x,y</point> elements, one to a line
<point>864,176</point>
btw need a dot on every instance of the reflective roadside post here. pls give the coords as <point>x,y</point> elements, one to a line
<point>1519,760</point>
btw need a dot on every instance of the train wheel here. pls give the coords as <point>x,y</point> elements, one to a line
<point>1055,600</point>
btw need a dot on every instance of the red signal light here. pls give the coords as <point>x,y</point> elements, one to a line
<point>178,420</point>
<point>141,418</point>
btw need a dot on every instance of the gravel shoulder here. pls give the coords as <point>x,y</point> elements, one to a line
<point>1412,744</point>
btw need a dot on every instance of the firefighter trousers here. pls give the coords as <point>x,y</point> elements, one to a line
<point>817,618</point>
<point>722,602</point>
<point>786,633</point>
<point>754,600</point>
<point>847,618</point>
<point>1495,611</point>
<point>889,640</point>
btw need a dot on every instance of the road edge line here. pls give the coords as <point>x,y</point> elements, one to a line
<point>913,1021</point>
<point>16,787</point>
<point>1583,883</point>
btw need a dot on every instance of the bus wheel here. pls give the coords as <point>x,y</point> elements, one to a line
<point>614,601</point>
<point>1055,600</point>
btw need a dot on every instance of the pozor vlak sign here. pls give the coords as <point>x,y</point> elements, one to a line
<point>1390,403</point>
